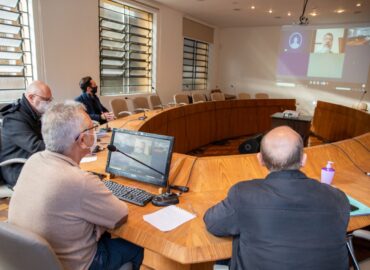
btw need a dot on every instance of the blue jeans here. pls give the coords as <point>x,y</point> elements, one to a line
<point>113,253</point>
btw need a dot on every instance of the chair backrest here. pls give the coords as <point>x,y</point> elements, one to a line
<point>217,96</point>
<point>155,102</point>
<point>141,103</point>
<point>244,96</point>
<point>362,106</point>
<point>198,97</point>
<point>262,96</point>
<point>118,105</point>
<point>22,249</point>
<point>181,98</point>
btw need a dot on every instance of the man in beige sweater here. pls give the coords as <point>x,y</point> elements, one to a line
<point>67,206</point>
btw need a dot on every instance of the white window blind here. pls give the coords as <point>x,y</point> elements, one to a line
<point>195,65</point>
<point>16,70</point>
<point>126,37</point>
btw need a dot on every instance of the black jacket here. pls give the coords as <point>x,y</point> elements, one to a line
<point>286,221</point>
<point>20,137</point>
<point>93,106</point>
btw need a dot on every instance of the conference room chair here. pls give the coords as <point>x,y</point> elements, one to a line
<point>365,264</point>
<point>155,102</point>
<point>23,249</point>
<point>141,104</point>
<point>119,107</point>
<point>262,96</point>
<point>217,96</point>
<point>244,96</point>
<point>198,97</point>
<point>181,99</point>
<point>362,106</point>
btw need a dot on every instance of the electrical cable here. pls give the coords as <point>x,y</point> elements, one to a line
<point>348,156</point>
<point>191,170</point>
<point>361,144</point>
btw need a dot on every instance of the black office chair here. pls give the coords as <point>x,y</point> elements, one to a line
<point>365,265</point>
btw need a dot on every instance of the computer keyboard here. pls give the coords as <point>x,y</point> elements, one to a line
<point>129,194</point>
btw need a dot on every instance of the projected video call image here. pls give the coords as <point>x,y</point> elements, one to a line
<point>150,151</point>
<point>330,55</point>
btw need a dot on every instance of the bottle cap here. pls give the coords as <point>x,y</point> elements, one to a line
<point>329,165</point>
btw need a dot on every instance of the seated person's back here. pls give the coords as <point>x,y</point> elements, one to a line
<point>70,208</point>
<point>285,221</point>
<point>21,132</point>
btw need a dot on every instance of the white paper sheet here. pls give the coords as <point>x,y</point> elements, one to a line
<point>88,159</point>
<point>168,218</point>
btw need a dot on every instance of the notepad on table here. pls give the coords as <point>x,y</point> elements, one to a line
<point>362,208</point>
<point>168,218</point>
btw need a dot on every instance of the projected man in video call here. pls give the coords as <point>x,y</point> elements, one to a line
<point>327,43</point>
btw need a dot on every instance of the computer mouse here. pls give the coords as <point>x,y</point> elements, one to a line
<point>165,199</point>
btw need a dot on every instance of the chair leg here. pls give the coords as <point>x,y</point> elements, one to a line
<point>352,252</point>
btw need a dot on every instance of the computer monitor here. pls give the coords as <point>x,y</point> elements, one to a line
<point>151,149</point>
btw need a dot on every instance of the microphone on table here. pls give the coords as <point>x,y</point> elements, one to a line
<point>164,199</point>
<point>113,148</point>
<point>144,116</point>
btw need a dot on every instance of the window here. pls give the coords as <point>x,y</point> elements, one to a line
<point>126,36</point>
<point>195,65</point>
<point>15,49</point>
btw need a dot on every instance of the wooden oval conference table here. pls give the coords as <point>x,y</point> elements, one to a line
<point>190,246</point>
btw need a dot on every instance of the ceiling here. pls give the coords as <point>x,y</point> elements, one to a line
<point>239,13</point>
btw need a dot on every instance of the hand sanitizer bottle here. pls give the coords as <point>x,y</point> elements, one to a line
<point>327,173</point>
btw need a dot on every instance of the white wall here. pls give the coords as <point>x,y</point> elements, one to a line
<point>68,47</point>
<point>247,60</point>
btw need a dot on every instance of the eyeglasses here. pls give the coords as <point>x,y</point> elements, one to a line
<point>87,129</point>
<point>50,99</point>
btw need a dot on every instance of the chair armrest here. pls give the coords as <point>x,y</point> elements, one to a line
<point>13,161</point>
<point>124,113</point>
<point>140,110</point>
<point>362,234</point>
<point>158,107</point>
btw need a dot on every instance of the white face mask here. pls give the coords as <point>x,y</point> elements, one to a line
<point>92,147</point>
<point>42,106</point>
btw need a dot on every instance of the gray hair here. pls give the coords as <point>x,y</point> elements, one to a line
<point>61,124</point>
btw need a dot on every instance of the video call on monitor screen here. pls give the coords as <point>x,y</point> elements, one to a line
<point>330,57</point>
<point>151,149</point>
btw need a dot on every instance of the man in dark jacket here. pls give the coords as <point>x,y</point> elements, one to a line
<point>287,220</point>
<point>21,132</point>
<point>94,108</point>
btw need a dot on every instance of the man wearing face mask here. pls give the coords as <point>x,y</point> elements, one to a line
<point>69,207</point>
<point>95,109</point>
<point>21,132</point>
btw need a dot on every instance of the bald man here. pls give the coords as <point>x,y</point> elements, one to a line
<point>287,220</point>
<point>21,132</point>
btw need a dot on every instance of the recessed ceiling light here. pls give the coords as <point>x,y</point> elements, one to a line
<point>339,11</point>
<point>253,7</point>
<point>270,11</point>
<point>313,14</point>
<point>289,14</point>
<point>358,5</point>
